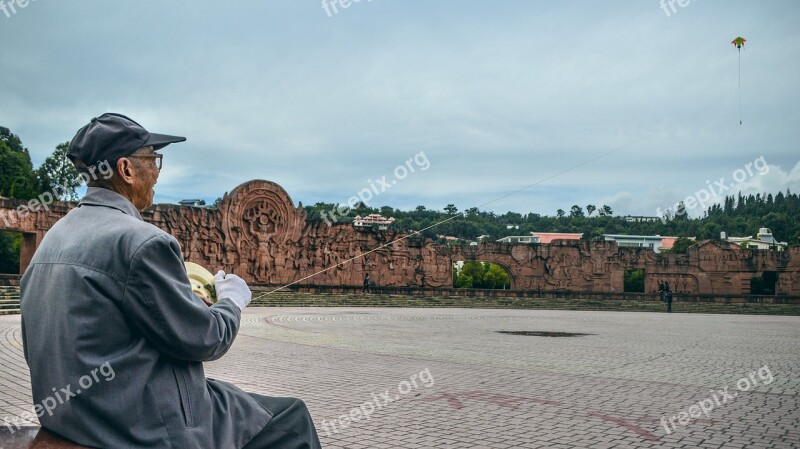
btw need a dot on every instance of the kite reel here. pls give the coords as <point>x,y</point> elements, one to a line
<point>202,281</point>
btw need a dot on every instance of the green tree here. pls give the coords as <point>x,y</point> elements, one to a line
<point>780,225</point>
<point>474,270</point>
<point>463,281</point>
<point>710,230</point>
<point>58,175</point>
<point>481,275</point>
<point>590,208</point>
<point>496,277</point>
<point>633,280</point>
<point>681,246</point>
<point>451,209</point>
<point>12,140</point>
<point>10,243</point>
<point>17,178</point>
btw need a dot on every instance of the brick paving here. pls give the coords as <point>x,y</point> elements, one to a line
<point>445,378</point>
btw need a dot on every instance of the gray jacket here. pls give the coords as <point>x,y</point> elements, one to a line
<point>115,338</point>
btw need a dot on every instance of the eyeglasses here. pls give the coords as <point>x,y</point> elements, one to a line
<point>156,156</point>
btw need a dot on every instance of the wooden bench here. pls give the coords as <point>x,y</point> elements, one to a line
<point>33,438</point>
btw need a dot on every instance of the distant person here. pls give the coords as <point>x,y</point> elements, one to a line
<point>366,284</point>
<point>108,291</point>
<point>668,296</point>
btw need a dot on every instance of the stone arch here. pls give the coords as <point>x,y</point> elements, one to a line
<point>501,263</point>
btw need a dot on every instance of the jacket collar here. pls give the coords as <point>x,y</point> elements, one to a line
<point>98,196</point>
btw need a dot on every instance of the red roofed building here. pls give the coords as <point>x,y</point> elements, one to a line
<point>667,243</point>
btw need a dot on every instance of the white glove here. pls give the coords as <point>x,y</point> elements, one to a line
<point>234,288</point>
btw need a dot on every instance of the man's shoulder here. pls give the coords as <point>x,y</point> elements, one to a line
<point>139,234</point>
<point>98,233</point>
<point>117,222</point>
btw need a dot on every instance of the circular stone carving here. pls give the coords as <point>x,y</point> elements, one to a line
<point>257,212</point>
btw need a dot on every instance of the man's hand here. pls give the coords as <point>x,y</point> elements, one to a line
<point>234,288</point>
<point>201,296</point>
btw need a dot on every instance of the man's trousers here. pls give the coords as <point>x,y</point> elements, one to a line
<point>291,426</point>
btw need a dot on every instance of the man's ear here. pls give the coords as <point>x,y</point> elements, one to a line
<point>125,170</point>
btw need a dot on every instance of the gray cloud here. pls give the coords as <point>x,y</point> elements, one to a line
<point>498,94</point>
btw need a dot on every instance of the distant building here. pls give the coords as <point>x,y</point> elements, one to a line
<point>449,238</point>
<point>653,242</point>
<point>641,219</point>
<point>371,220</point>
<point>548,237</point>
<point>483,237</point>
<point>530,239</point>
<point>669,242</point>
<point>512,226</point>
<point>764,240</point>
<point>192,202</point>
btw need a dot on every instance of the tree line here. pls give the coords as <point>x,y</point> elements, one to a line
<point>738,215</point>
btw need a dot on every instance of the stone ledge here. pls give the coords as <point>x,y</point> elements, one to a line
<point>284,299</point>
<point>34,438</point>
<point>539,294</point>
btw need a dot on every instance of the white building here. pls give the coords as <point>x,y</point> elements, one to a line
<point>373,220</point>
<point>640,219</point>
<point>636,241</point>
<point>520,239</point>
<point>192,202</point>
<point>764,240</point>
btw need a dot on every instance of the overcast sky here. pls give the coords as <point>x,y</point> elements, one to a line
<point>491,96</point>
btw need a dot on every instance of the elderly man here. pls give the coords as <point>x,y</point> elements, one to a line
<point>114,336</point>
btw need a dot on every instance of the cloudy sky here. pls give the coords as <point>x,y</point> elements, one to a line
<point>490,97</point>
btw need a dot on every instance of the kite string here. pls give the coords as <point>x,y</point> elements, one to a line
<point>740,85</point>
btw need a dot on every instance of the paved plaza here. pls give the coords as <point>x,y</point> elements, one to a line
<point>448,378</point>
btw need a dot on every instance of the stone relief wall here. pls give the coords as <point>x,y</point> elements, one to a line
<point>258,233</point>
